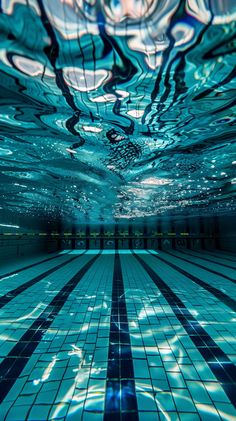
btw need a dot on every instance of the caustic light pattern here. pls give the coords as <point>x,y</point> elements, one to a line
<point>102,335</point>
<point>117,109</point>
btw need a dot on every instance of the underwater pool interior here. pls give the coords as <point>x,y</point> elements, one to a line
<point>117,210</point>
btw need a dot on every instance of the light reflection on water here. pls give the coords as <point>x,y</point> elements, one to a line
<point>34,314</point>
<point>8,277</point>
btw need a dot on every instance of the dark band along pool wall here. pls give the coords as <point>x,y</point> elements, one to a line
<point>190,233</point>
<point>195,233</point>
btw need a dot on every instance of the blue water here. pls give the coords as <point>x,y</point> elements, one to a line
<point>112,110</point>
<point>102,335</point>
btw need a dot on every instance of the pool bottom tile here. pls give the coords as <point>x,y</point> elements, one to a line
<point>117,351</point>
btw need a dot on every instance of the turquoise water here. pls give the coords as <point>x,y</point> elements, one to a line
<point>117,109</point>
<point>130,335</point>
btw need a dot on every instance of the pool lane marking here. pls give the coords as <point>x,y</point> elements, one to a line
<point>220,255</point>
<point>16,360</point>
<point>220,365</point>
<point>209,260</point>
<point>10,295</point>
<point>120,395</point>
<point>32,265</point>
<point>224,298</point>
<point>202,267</point>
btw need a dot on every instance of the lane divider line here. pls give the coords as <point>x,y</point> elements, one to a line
<point>16,360</point>
<point>220,365</point>
<point>224,298</point>
<point>120,398</point>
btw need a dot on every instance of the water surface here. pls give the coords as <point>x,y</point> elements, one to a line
<point>117,109</point>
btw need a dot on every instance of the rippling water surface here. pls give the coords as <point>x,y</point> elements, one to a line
<point>117,109</point>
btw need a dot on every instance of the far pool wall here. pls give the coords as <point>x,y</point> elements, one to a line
<point>227,233</point>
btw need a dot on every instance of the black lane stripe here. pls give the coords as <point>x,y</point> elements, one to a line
<point>220,365</point>
<point>31,265</point>
<point>211,256</point>
<point>202,267</point>
<point>220,255</point>
<point>120,398</point>
<point>10,295</point>
<point>16,360</point>
<point>209,260</point>
<point>224,298</point>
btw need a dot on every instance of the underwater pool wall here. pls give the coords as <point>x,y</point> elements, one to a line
<point>227,233</point>
<point>191,233</point>
<point>21,245</point>
<point>160,234</point>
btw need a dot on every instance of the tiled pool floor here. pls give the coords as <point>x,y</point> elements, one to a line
<point>129,335</point>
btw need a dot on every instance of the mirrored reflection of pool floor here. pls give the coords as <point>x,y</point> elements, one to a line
<point>128,335</point>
